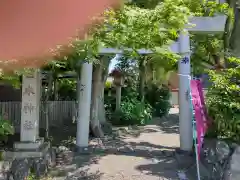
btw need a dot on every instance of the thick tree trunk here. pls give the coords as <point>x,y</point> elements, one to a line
<point>96,90</point>
<point>98,113</point>
<point>101,107</point>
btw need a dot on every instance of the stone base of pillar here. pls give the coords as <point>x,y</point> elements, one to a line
<point>184,158</point>
<point>27,150</point>
<point>28,145</point>
<point>36,156</point>
<point>83,150</point>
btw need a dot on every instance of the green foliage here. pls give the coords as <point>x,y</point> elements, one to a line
<point>6,128</point>
<point>127,94</point>
<point>137,28</point>
<point>205,46</point>
<point>223,102</point>
<point>133,112</point>
<point>158,98</point>
<point>130,27</point>
<point>129,68</point>
<point>108,84</point>
<point>147,4</point>
<point>109,103</point>
<point>67,89</point>
<point>206,7</point>
<point>14,78</point>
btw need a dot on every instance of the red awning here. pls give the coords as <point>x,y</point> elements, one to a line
<point>30,28</point>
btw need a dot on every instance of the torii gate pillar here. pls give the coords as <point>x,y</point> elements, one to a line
<point>203,25</point>
<point>185,114</point>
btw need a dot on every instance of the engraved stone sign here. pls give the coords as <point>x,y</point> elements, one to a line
<point>30,107</point>
<point>28,125</point>
<point>29,90</point>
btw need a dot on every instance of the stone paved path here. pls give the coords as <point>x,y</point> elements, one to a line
<point>146,156</point>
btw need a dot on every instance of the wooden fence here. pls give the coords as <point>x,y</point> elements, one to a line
<point>59,112</point>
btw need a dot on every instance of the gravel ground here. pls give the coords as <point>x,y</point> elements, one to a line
<point>146,155</point>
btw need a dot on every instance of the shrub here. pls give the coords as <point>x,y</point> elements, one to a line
<point>158,98</point>
<point>223,102</point>
<point>133,112</point>
<point>110,103</point>
<point>6,128</point>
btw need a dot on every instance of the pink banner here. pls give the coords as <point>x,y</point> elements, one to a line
<point>200,111</point>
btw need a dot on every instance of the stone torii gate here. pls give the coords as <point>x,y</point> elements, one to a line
<point>203,25</point>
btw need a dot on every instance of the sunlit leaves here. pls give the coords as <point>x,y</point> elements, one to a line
<point>6,128</point>
<point>139,28</point>
<point>223,100</point>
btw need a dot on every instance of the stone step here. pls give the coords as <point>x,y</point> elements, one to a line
<point>26,153</point>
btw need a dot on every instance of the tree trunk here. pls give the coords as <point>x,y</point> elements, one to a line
<point>217,61</point>
<point>231,28</point>
<point>149,72</point>
<point>48,94</point>
<point>78,89</point>
<point>55,88</point>
<point>96,90</point>
<point>232,33</point>
<point>101,107</point>
<point>142,80</point>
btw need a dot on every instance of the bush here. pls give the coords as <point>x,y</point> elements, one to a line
<point>133,112</point>
<point>158,98</point>
<point>126,96</point>
<point>223,103</point>
<point>6,129</point>
<point>110,103</point>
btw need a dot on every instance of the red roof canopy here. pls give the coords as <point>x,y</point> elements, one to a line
<point>30,28</point>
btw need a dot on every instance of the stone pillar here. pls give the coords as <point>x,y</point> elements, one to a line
<point>84,103</point>
<point>185,114</point>
<point>31,93</point>
<point>118,97</point>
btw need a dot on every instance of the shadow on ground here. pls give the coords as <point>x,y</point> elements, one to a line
<point>168,124</point>
<point>160,163</point>
<point>156,161</point>
<point>163,167</point>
